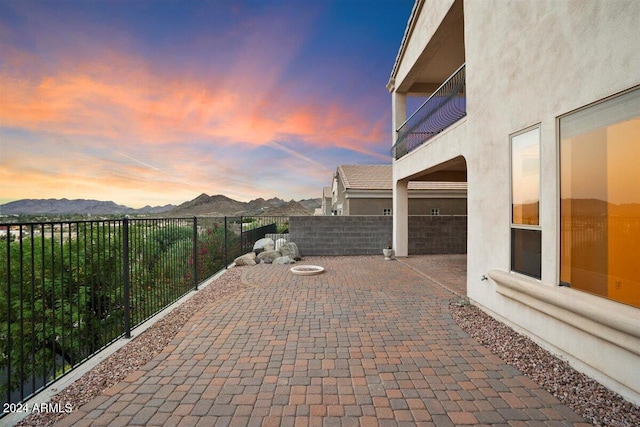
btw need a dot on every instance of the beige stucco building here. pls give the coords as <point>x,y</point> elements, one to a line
<point>367,190</point>
<point>536,105</point>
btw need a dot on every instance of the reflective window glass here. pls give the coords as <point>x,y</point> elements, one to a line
<point>600,199</point>
<point>525,177</point>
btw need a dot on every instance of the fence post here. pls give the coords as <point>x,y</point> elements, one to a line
<point>8,319</point>
<point>241,236</point>
<point>195,253</point>
<point>225,243</point>
<point>126,274</point>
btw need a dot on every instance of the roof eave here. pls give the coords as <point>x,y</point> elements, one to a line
<point>415,12</point>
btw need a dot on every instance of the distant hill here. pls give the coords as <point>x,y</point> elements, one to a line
<point>258,205</point>
<point>291,208</point>
<point>311,204</point>
<point>76,206</point>
<point>219,205</point>
<point>203,205</point>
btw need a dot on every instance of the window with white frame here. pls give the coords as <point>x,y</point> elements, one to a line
<point>526,233</point>
<point>435,211</point>
<point>386,211</point>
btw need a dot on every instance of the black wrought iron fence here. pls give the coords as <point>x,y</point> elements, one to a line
<point>255,228</point>
<point>69,289</point>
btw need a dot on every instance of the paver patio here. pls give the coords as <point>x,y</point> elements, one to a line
<point>367,343</point>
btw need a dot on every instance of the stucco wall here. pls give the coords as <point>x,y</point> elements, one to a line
<point>558,56</point>
<point>368,206</point>
<point>417,206</point>
<point>445,206</point>
<point>368,235</point>
<point>528,64</point>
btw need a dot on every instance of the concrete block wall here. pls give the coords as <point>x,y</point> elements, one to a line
<point>368,235</point>
<point>437,234</point>
<point>340,235</point>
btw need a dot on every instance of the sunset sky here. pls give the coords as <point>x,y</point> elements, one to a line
<point>156,102</point>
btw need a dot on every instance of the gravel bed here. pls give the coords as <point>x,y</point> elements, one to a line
<point>585,396</point>
<point>139,351</point>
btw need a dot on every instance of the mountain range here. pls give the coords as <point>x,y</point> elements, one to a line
<point>203,205</point>
<point>220,205</point>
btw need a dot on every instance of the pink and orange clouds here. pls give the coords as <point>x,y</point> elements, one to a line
<point>94,110</point>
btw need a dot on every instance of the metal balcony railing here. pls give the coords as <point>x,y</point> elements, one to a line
<point>445,106</point>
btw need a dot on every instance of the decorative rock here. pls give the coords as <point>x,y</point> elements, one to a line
<point>283,260</point>
<point>246,259</point>
<point>268,256</point>
<point>290,249</point>
<point>264,244</point>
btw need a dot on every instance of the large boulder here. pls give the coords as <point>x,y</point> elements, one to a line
<point>283,260</point>
<point>264,244</point>
<point>267,257</point>
<point>246,259</point>
<point>290,249</point>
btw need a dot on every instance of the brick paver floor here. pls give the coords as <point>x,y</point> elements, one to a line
<point>449,271</point>
<point>367,343</point>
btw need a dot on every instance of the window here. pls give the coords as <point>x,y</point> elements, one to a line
<point>435,211</point>
<point>600,198</point>
<point>386,211</point>
<point>526,244</point>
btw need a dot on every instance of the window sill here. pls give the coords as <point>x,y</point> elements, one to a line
<point>608,320</point>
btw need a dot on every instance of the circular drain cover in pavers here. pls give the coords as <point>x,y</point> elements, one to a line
<point>307,270</point>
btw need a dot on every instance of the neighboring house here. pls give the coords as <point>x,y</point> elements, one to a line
<point>367,190</point>
<point>538,110</point>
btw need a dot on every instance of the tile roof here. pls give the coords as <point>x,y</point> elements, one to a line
<point>380,177</point>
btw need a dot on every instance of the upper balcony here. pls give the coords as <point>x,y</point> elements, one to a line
<point>430,65</point>
<point>444,107</point>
